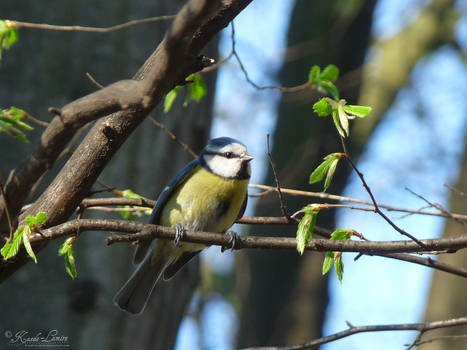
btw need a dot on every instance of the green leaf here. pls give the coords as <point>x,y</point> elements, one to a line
<point>197,89</point>
<point>339,267</point>
<point>335,118</point>
<point>331,73</point>
<point>64,247</point>
<point>66,250</point>
<point>342,234</point>
<point>313,75</point>
<point>320,172</point>
<point>31,221</point>
<point>322,108</point>
<point>330,88</point>
<point>306,227</point>
<point>170,98</point>
<point>343,119</point>
<point>27,243</point>
<point>8,35</point>
<point>129,194</point>
<point>10,249</point>
<point>330,173</point>
<point>41,217</point>
<point>7,127</point>
<point>358,111</point>
<point>327,263</point>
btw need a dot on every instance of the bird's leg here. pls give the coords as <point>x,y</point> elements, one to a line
<point>179,233</point>
<point>233,241</point>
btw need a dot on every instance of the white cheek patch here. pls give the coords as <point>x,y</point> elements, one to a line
<point>222,166</point>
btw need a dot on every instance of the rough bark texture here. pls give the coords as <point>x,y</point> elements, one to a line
<point>286,295</point>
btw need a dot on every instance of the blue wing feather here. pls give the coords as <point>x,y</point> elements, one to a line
<point>161,201</point>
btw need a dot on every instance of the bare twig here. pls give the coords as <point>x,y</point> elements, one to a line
<point>420,327</point>
<point>173,137</point>
<point>436,206</point>
<point>7,210</point>
<point>276,178</point>
<point>94,81</point>
<point>375,204</point>
<point>444,337</point>
<point>268,87</point>
<point>18,24</point>
<point>229,56</point>
<point>322,195</point>
<point>453,189</point>
<point>35,120</point>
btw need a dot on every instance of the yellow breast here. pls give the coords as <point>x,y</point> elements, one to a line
<point>205,202</point>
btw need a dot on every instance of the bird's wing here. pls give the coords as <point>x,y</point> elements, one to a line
<point>161,201</point>
<point>242,209</point>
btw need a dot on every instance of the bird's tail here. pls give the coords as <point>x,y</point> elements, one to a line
<point>134,294</point>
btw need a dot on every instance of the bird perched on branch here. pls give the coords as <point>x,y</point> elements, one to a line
<point>208,194</point>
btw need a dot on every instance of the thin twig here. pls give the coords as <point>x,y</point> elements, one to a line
<point>421,327</point>
<point>18,24</point>
<point>229,56</point>
<point>35,120</point>
<point>453,189</point>
<point>443,337</point>
<point>8,215</point>
<point>258,87</point>
<point>94,81</point>
<point>375,204</point>
<point>173,137</point>
<point>276,178</point>
<point>322,195</point>
<point>436,206</point>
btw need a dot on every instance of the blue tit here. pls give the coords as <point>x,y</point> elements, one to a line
<point>209,194</point>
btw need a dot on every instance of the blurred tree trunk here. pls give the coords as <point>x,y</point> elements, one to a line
<point>447,295</point>
<point>286,296</point>
<point>48,69</point>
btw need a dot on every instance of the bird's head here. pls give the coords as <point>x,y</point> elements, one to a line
<point>227,158</point>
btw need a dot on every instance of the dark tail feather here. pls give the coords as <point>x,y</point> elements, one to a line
<point>135,293</point>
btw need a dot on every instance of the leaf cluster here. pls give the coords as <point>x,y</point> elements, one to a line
<point>196,89</point>
<point>11,123</point>
<point>8,35</point>
<point>22,235</point>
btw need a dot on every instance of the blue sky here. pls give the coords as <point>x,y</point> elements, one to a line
<point>421,137</point>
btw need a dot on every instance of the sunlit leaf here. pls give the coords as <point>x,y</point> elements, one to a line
<point>331,73</point>
<point>27,243</point>
<point>10,249</point>
<point>322,108</point>
<point>327,263</point>
<point>358,111</point>
<point>313,75</point>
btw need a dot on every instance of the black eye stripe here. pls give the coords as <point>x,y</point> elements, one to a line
<point>227,155</point>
